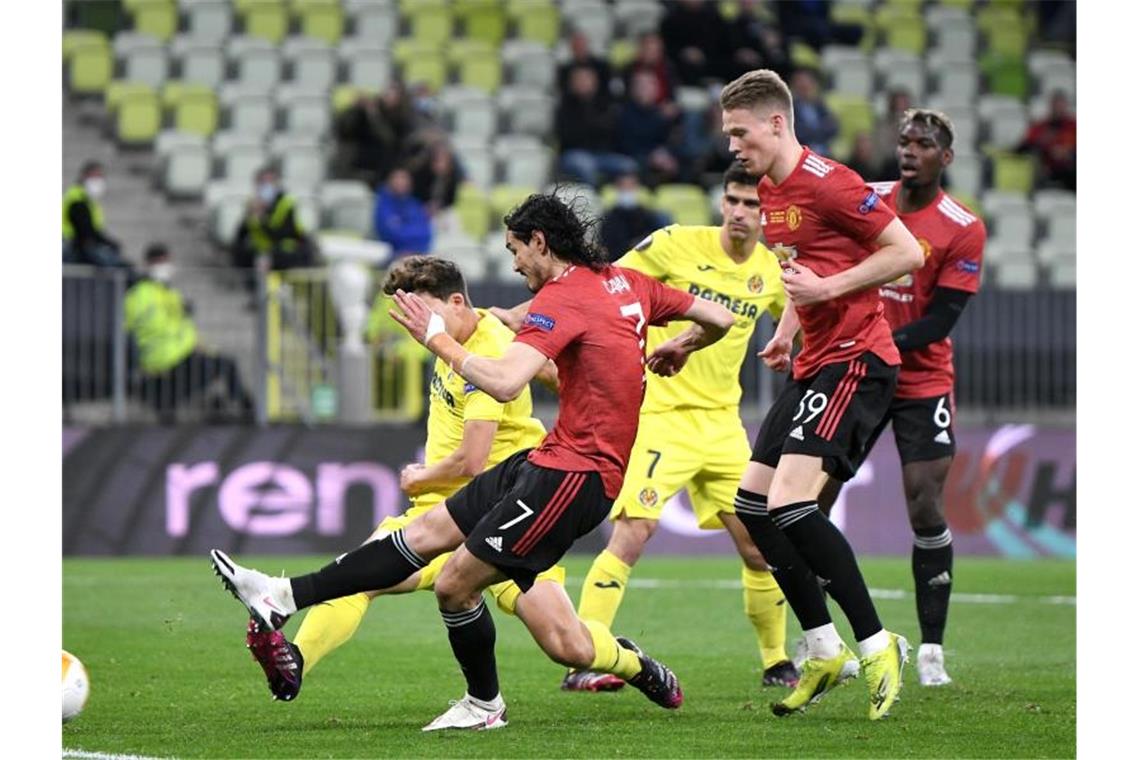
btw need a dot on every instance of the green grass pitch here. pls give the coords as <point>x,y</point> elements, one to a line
<point>164,646</point>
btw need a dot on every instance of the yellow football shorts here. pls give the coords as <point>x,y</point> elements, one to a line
<point>703,451</point>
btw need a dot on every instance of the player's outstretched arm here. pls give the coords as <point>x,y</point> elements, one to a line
<point>503,378</point>
<point>898,253</point>
<point>711,322</point>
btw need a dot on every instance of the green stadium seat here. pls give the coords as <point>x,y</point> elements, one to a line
<point>158,18</point>
<point>195,110</point>
<point>89,69</point>
<point>407,49</point>
<point>853,113</point>
<point>473,207</point>
<point>858,15</point>
<point>73,39</point>
<point>115,92</point>
<point>686,204</point>
<point>483,71</point>
<point>322,21</point>
<point>431,25</point>
<point>1005,75</point>
<point>138,118</point>
<point>482,20</point>
<point>537,20</point>
<point>609,196</point>
<point>265,19</point>
<point>622,53</point>
<point>408,7</point>
<point>426,69</point>
<point>966,5</point>
<point>804,56</point>
<point>1013,173</point>
<point>907,33</point>
<point>1009,41</point>
<point>505,197</point>
<point>345,95</point>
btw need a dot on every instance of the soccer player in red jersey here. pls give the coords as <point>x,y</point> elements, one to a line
<point>922,308</point>
<point>518,518</point>
<point>837,241</point>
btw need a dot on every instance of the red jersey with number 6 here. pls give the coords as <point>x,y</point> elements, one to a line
<point>952,239</point>
<point>826,218</point>
<point>593,325</point>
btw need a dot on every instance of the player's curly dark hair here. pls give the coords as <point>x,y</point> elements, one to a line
<point>568,227</point>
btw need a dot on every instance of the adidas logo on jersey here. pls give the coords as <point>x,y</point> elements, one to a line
<point>495,542</point>
<point>797,433</point>
<point>942,437</point>
<point>942,579</point>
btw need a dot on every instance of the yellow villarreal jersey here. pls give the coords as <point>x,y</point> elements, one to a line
<point>454,401</point>
<point>692,259</point>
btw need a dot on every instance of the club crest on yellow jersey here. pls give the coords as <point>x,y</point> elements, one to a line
<point>648,497</point>
<point>755,283</point>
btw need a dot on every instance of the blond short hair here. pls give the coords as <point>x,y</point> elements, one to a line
<point>930,119</point>
<point>760,89</point>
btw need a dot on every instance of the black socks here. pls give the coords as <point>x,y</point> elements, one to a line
<point>375,565</point>
<point>932,561</point>
<point>472,637</point>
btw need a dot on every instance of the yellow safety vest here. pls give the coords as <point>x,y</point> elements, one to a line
<point>260,235</point>
<point>155,316</point>
<point>77,194</point>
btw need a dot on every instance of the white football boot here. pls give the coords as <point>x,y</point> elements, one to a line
<point>931,666</point>
<point>269,600</point>
<point>472,714</point>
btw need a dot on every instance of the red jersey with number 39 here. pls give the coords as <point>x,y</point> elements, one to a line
<point>826,218</point>
<point>952,239</point>
<point>593,325</point>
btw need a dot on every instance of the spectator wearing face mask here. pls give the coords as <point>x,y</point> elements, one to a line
<point>85,240</point>
<point>629,221</point>
<point>166,344</point>
<point>271,236</point>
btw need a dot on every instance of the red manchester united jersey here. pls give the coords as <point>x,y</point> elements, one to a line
<point>593,325</point>
<point>825,217</point>
<point>952,239</point>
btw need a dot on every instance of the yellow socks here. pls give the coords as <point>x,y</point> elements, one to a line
<point>765,606</point>
<point>609,656</point>
<point>603,589</point>
<point>507,593</point>
<point>328,625</point>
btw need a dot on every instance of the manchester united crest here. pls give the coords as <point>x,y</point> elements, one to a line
<point>794,217</point>
<point>648,497</point>
<point>927,248</point>
<point>755,284</point>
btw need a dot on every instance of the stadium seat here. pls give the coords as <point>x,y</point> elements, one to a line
<point>144,63</point>
<point>527,110</point>
<point>138,118</point>
<point>116,91</point>
<point>258,69</point>
<point>856,14</point>
<point>1042,62</point>
<point>906,33</point>
<point>686,204</point>
<point>158,18</point>
<point>225,204</point>
<point>849,70</point>
<point>955,32</point>
<point>365,66</point>
<point>228,140</point>
<point>1049,202</point>
<point>966,173</point>
<point>804,56</point>
<point>1062,272</point>
<point>1005,120</point>
<point>1050,252</point>
<point>311,62</point>
<point>209,20</point>
<point>1005,75</point>
<point>186,169</point>
<point>469,112</point>
<point>465,252</point>
<point>473,208</point>
<point>322,21</point>
<point>302,161</point>
<point>482,20</point>
<point>1053,80</point>
<point>957,83</point>
<point>477,160</point>
<point>583,198</point>
<point>194,110</point>
<point>1018,274</point>
<point>1013,229</point>
<point>637,17</point>
<point>73,39</point>
<point>375,23</point>
<point>854,115</point>
<point>522,164</point>
<point>420,62</point>
<point>528,63</point>
<point>346,205</point>
<point>304,112</point>
<point>483,71</point>
<point>89,69</point>
<point>266,19</point>
<point>238,162</point>
<point>1061,229</point>
<point>345,95</point>
<point>504,198</point>
<point>246,109</point>
<point>535,20</point>
<point>901,69</point>
<point>608,196</point>
<point>199,61</point>
<point>169,139</point>
<point>431,25</point>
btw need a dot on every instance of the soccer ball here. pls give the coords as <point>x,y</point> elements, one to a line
<point>75,686</point>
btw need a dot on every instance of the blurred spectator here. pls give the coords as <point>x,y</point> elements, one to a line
<point>755,42</point>
<point>371,133</point>
<point>862,158</point>
<point>694,34</point>
<point>886,135</point>
<point>810,20</point>
<point>581,55</point>
<point>712,157</point>
<point>1054,141</point>
<point>1057,22</point>
<point>436,176</point>
<point>628,222</point>
<point>84,238</point>
<point>814,123</point>
<point>400,219</point>
<point>645,128</point>
<point>651,59</point>
<point>166,342</point>
<point>586,122</point>
<point>270,236</point>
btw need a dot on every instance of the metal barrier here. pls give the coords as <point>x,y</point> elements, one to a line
<point>1015,353</point>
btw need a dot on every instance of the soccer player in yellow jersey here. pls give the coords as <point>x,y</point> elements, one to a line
<point>468,432</point>
<point>690,434</point>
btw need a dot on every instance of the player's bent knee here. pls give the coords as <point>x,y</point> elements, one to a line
<point>572,648</point>
<point>629,538</point>
<point>453,592</point>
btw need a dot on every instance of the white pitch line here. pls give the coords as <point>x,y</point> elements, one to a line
<point>877,593</point>
<point>80,754</point>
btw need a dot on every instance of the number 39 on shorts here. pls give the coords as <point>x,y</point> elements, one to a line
<point>813,403</point>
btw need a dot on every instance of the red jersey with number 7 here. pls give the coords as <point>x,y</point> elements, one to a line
<point>952,240</point>
<point>826,218</point>
<point>593,324</point>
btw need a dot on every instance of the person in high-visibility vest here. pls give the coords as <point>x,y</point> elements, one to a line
<point>85,240</point>
<point>271,236</point>
<point>166,343</point>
